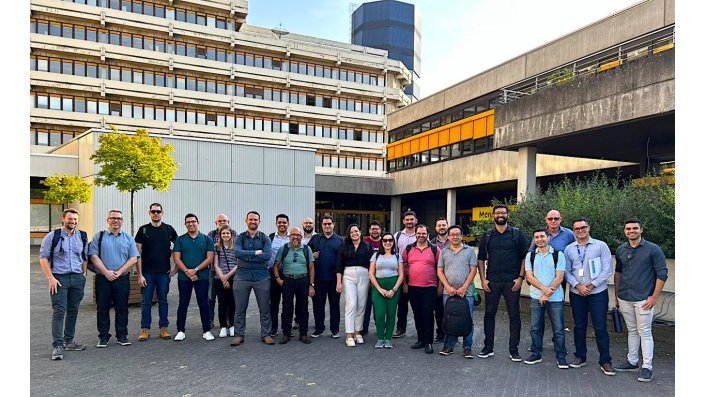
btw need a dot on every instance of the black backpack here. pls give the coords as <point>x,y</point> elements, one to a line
<point>91,266</point>
<point>457,320</point>
<point>555,263</point>
<point>434,249</point>
<point>55,241</point>
<point>304,247</point>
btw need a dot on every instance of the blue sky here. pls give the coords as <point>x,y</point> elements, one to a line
<point>459,38</point>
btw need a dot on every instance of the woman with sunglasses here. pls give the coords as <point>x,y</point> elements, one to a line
<point>225,265</point>
<point>386,276</point>
<point>352,275</point>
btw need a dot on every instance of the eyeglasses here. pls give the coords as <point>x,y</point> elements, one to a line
<point>155,211</point>
<point>327,224</point>
<point>223,221</point>
<point>580,229</point>
<point>296,256</point>
<point>113,218</point>
<point>387,240</point>
<point>188,222</point>
<point>554,219</point>
<point>295,234</point>
<point>500,213</point>
<point>455,235</point>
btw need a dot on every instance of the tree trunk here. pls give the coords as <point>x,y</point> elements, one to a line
<point>132,213</point>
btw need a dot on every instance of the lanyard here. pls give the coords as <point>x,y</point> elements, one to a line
<point>582,256</point>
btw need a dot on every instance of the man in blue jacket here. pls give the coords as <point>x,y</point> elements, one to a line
<point>325,248</point>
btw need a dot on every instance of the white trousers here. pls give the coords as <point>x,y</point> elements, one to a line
<point>638,323</point>
<point>356,282</point>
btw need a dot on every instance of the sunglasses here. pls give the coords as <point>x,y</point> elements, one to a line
<point>554,219</point>
<point>156,211</point>
<point>387,240</point>
<point>296,256</point>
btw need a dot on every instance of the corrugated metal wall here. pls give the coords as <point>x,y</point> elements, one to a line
<point>222,177</point>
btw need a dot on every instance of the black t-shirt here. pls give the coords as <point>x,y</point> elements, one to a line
<point>156,247</point>
<point>505,254</point>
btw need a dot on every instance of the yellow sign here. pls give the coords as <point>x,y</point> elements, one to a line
<point>485,213</point>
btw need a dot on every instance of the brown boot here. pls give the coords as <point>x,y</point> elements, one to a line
<point>164,334</point>
<point>144,335</point>
<point>237,341</point>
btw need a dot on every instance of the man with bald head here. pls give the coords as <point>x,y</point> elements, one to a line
<point>307,227</point>
<point>558,236</point>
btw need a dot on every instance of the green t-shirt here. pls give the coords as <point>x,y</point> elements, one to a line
<point>193,252</point>
<point>295,261</point>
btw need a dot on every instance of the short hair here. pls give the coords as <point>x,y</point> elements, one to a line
<point>280,216</point>
<point>324,217</point>
<point>374,223</point>
<point>69,210</point>
<point>156,205</point>
<point>632,220</point>
<point>581,220</point>
<point>541,230</point>
<point>189,215</point>
<point>254,212</point>
<point>455,227</point>
<point>409,213</point>
<point>500,206</point>
<point>421,225</point>
<point>441,218</point>
<point>114,210</point>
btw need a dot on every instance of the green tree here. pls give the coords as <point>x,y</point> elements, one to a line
<point>132,163</point>
<point>65,189</point>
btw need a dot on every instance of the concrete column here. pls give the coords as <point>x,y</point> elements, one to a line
<point>451,206</point>
<point>526,183</point>
<point>395,218</point>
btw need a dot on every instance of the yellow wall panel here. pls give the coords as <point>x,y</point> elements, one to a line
<point>433,141</point>
<point>415,146</point>
<point>466,131</point>
<point>406,149</point>
<point>443,137</point>
<point>423,143</point>
<point>480,128</point>
<point>455,134</point>
<point>490,124</point>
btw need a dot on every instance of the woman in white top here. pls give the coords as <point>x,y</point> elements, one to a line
<point>386,277</point>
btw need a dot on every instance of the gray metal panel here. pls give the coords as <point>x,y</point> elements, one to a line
<point>248,164</point>
<point>305,164</point>
<point>279,167</point>
<point>214,161</point>
<point>186,155</point>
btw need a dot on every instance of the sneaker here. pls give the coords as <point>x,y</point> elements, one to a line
<point>180,336</point>
<point>223,332</point>
<point>335,335</point>
<point>388,344</point>
<point>358,339</point>
<point>467,353</point>
<point>563,363</point>
<point>231,331</point>
<point>350,342</point>
<point>607,369</point>
<point>515,357</point>
<point>399,333</point>
<point>417,345</point>
<point>305,339</point>
<point>144,335</point>
<point>645,375</point>
<point>284,339</point>
<point>579,362</point>
<point>316,334</point>
<point>73,346</point>
<point>208,335</point>
<point>379,344</point>
<point>103,342</point>
<point>485,352</point>
<point>446,351</point>
<point>267,340</point>
<point>626,367</point>
<point>237,341</point>
<point>533,359</point>
<point>57,353</point>
<point>124,342</point>
<point>164,333</point>
<point>428,349</point>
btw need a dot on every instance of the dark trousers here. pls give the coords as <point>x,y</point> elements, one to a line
<point>185,289</point>
<point>326,289</point>
<point>368,311</point>
<point>295,288</point>
<point>438,312</point>
<point>403,310</point>
<point>596,306</point>
<point>212,295</point>
<point>511,299</point>
<point>275,299</point>
<point>112,293</point>
<point>226,303</point>
<point>423,300</point>
<point>64,304</point>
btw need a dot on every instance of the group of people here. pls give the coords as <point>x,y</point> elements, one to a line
<point>381,273</point>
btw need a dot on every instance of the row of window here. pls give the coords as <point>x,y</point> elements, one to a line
<point>131,75</point>
<point>70,103</point>
<point>443,119</point>
<point>455,150</point>
<point>349,162</point>
<point>77,32</point>
<point>43,137</point>
<point>161,11</point>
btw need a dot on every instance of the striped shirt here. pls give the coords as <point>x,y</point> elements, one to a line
<point>226,259</point>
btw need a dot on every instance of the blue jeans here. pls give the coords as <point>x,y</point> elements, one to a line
<point>596,305</point>
<point>65,304</point>
<point>185,289</point>
<point>555,313</point>
<point>467,339</point>
<point>160,282</point>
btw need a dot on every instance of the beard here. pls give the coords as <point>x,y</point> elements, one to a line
<point>500,221</point>
<point>308,230</point>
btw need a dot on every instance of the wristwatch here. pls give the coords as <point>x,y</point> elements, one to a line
<point>313,285</point>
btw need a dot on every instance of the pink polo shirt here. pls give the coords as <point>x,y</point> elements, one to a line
<point>421,267</point>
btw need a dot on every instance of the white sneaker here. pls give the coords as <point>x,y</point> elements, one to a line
<point>208,335</point>
<point>223,332</point>
<point>180,336</point>
<point>350,342</point>
<point>359,340</point>
<point>232,331</point>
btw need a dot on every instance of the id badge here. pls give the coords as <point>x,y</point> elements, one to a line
<point>581,272</point>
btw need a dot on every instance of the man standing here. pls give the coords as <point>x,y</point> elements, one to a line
<point>279,239</point>
<point>253,250</point>
<point>193,255</point>
<point>545,273</point>
<point>374,239</point>
<point>154,269</point>
<point>307,225</point>
<point>113,252</point>
<point>457,267</point>
<point>63,256</point>
<point>404,238</point>
<point>295,279</point>
<point>588,267</point>
<point>441,241</point>
<point>325,248</point>
<point>558,236</point>
<point>220,221</point>
<point>501,265</point>
<point>639,277</point>
<point>421,259</point>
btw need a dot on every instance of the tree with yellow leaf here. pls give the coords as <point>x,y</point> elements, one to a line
<point>64,189</point>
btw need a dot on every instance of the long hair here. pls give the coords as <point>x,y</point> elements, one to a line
<point>382,250</point>
<point>348,246</point>
<point>230,245</point>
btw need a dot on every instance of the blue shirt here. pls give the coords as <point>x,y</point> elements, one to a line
<point>561,240</point>
<point>639,268</point>
<point>252,267</point>
<point>327,248</point>
<point>68,252</point>
<point>545,271</point>
<point>579,259</point>
<point>277,242</point>
<point>115,249</point>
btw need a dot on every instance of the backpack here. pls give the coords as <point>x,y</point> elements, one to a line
<point>457,320</point>
<point>55,241</point>
<point>90,265</point>
<point>304,247</point>
<point>555,263</point>
<point>434,249</point>
<point>515,238</point>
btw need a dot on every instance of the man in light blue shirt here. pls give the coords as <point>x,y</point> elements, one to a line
<point>545,274</point>
<point>279,239</point>
<point>113,253</point>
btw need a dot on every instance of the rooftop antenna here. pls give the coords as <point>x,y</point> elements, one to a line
<point>280,31</point>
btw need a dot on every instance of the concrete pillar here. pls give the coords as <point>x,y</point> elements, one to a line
<point>526,183</point>
<point>451,206</point>
<point>395,218</point>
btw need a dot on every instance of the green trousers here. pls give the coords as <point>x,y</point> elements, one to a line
<point>385,308</point>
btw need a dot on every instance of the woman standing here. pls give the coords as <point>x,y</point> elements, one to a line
<point>352,275</point>
<point>225,266</point>
<point>386,276</point>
